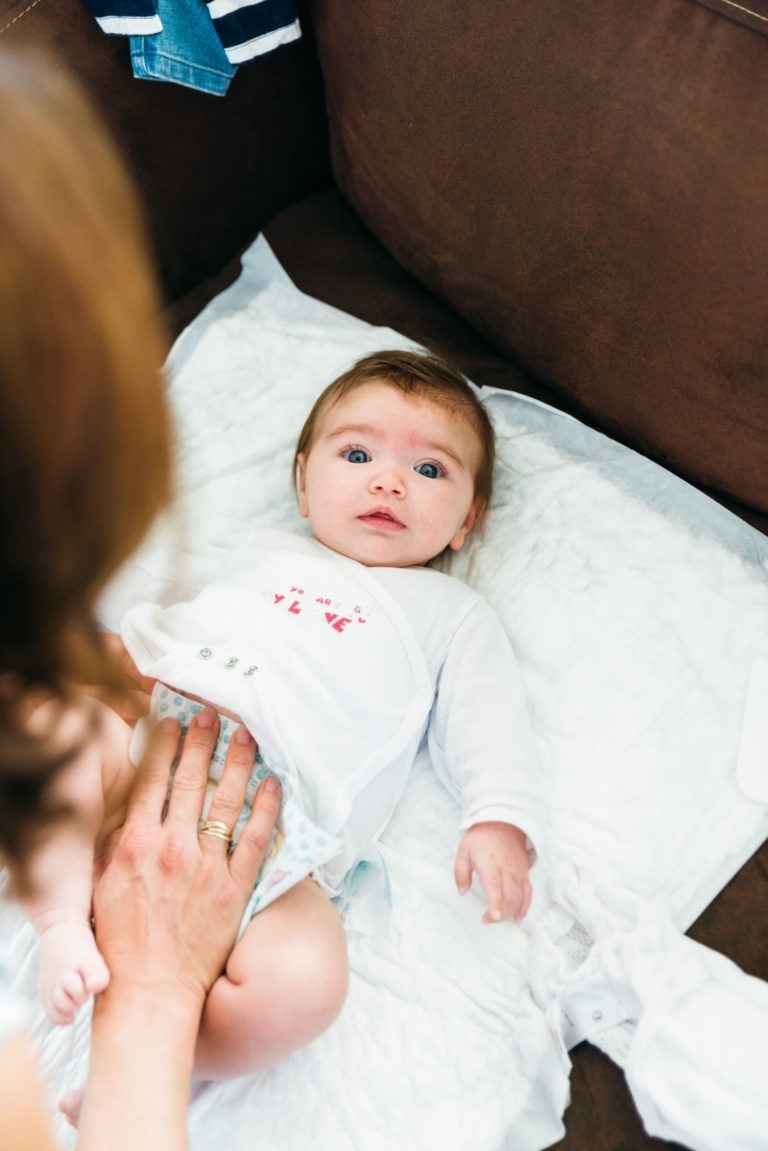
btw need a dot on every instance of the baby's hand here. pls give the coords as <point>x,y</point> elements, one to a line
<point>496,853</point>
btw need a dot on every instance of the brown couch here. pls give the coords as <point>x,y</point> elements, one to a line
<point>565,199</point>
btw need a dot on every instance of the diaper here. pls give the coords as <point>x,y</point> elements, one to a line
<point>298,847</point>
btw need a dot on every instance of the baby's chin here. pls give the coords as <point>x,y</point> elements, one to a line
<point>380,557</point>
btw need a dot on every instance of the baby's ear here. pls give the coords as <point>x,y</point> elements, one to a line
<point>473,518</point>
<point>301,484</point>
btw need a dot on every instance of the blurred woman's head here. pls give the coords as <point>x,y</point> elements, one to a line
<point>85,458</point>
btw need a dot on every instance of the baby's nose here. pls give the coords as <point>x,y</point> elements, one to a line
<point>390,479</point>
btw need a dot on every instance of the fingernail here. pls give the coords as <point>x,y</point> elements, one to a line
<point>272,783</point>
<point>169,724</point>
<point>243,735</point>
<point>205,718</point>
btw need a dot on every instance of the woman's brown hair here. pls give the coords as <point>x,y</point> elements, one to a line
<point>84,464</point>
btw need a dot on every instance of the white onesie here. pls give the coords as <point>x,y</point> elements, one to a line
<point>339,670</point>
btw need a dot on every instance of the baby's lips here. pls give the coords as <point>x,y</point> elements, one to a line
<point>382,515</point>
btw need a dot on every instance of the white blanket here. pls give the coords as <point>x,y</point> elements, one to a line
<point>639,612</point>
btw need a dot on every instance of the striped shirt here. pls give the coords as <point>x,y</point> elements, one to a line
<point>246,28</point>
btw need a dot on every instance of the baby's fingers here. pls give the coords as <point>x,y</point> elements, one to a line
<point>509,898</point>
<point>525,901</point>
<point>462,869</point>
<point>493,886</point>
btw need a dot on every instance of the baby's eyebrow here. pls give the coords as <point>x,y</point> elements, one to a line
<point>352,430</point>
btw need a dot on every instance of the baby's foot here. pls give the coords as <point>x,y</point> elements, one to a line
<point>71,970</point>
<point>71,1104</point>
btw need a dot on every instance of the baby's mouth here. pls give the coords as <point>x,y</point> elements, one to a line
<point>382,518</point>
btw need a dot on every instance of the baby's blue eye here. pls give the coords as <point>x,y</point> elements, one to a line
<point>430,470</point>
<point>356,456</point>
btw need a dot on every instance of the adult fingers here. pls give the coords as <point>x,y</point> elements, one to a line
<point>253,843</point>
<point>229,794</point>
<point>191,773</point>
<point>150,789</point>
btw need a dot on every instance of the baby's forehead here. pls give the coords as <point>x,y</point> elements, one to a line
<point>372,397</point>
<point>383,407</point>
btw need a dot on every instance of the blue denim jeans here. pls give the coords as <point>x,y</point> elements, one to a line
<point>187,51</point>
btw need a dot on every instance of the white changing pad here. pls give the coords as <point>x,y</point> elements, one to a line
<point>638,609</point>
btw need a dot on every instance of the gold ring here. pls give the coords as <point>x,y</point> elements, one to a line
<point>215,828</point>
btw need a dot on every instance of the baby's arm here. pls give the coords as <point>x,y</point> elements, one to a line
<point>61,868</point>
<point>496,852</point>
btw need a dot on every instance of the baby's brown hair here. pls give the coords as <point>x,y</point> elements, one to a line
<point>427,377</point>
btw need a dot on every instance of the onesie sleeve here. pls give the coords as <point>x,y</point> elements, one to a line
<point>480,737</point>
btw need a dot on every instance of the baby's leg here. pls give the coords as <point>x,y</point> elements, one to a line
<point>61,870</point>
<point>285,983</point>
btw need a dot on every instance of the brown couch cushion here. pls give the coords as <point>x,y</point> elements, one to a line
<point>585,183</point>
<point>330,255</point>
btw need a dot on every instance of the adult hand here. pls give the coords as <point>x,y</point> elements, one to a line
<point>166,909</point>
<point>169,901</point>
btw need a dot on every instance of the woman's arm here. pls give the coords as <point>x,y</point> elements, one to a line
<point>167,909</point>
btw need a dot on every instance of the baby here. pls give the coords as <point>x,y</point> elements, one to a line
<point>342,652</point>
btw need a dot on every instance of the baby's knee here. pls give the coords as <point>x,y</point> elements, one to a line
<point>325,977</point>
<point>303,971</point>
<point>281,990</point>
<point>312,973</point>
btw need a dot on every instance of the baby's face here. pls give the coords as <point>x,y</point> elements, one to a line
<point>389,479</point>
